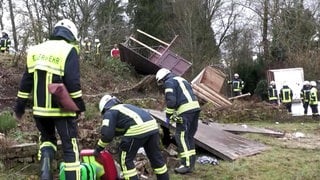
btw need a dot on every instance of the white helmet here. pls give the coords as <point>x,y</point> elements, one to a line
<point>69,25</point>
<point>272,83</point>
<point>236,75</point>
<point>107,101</point>
<point>162,73</point>
<point>313,83</point>
<point>306,83</point>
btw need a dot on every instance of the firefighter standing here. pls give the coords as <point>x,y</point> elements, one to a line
<point>313,101</point>
<point>272,93</point>
<point>5,42</point>
<point>305,96</point>
<point>139,129</point>
<point>54,61</point>
<point>183,108</point>
<point>286,97</point>
<point>237,85</point>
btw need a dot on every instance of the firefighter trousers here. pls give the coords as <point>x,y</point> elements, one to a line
<point>184,137</point>
<point>129,147</point>
<point>67,130</point>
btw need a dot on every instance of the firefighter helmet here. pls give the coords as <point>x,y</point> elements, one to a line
<point>313,83</point>
<point>162,73</point>
<point>272,83</point>
<point>69,25</point>
<point>306,83</point>
<point>236,75</point>
<point>107,102</point>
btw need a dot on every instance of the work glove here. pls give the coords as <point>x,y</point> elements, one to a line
<point>176,118</point>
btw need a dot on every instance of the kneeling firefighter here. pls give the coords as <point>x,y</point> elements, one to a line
<point>138,128</point>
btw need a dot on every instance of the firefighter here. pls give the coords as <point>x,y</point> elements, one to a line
<point>54,61</point>
<point>97,45</point>
<point>304,95</point>
<point>286,97</point>
<point>138,129</point>
<point>182,107</point>
<point>313,100</point>
<point>272,93</point>
<point>237,85</point>
<point>5,42</point>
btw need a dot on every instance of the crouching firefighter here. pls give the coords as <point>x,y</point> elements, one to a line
<point>54,61</point>
<point>183,109</point>
<point>138,129</point>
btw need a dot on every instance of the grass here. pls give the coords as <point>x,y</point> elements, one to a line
<point>286,159</point>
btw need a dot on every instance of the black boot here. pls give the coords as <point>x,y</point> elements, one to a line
<point>47,155</point>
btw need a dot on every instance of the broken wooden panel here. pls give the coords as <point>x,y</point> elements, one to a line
<point>148,60</point>
<point>235,128</point>
<point>212,77</point>
<point>222,144</point>
<point>208,84</point>
<point>139,62</point>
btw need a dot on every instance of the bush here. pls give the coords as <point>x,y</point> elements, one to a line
<point>262,90</point>
<point>7,121</point>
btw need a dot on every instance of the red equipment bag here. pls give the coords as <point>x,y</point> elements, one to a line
<point>105,165</point>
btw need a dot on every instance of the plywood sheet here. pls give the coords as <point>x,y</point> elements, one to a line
<point>223,144</point>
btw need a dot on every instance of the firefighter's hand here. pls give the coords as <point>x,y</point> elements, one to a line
<point>97,151</point>
<point>175,118</point>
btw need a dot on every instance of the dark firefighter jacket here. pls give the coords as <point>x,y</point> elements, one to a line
<point>179,96</point>
<point>127,120</point>
<point>285,94</point>
<point>50,62</point>
<point>272,93</point>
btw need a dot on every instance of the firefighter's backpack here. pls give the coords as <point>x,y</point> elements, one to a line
<point>88,171</point>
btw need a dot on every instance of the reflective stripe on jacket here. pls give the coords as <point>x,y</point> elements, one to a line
<point>286,95</point>
<point>313,96</point>
<point>127,120</point>
<point>45,65</point>
<point>179,96</point>
<point>272,93</point>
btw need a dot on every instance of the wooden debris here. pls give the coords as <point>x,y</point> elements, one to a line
<point>240,96</point>
<point>222,144</point>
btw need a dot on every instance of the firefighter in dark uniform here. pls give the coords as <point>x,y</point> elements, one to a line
<point>138,129</point>
<point>237,85</point>
<point>305,96</point>
<point>5,42</point>
<point>54,61</point>
<point>286,97</point>
<point>313,99</point>
<point>272,93</point>
<point>182,107</point>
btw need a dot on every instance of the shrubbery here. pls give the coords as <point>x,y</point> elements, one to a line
<point>7,121</point>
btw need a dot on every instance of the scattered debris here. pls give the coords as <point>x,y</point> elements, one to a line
<point>207,160</point>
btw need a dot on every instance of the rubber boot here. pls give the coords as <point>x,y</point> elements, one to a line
<point>46,163</point>
<point>192,162</point>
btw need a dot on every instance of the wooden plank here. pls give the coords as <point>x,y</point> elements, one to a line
<point>206,96</point>
<point>240,96</point>
<point>220,97</point>
<point>213,78</point>
<point>223,144</point>
<point>235,128</point>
